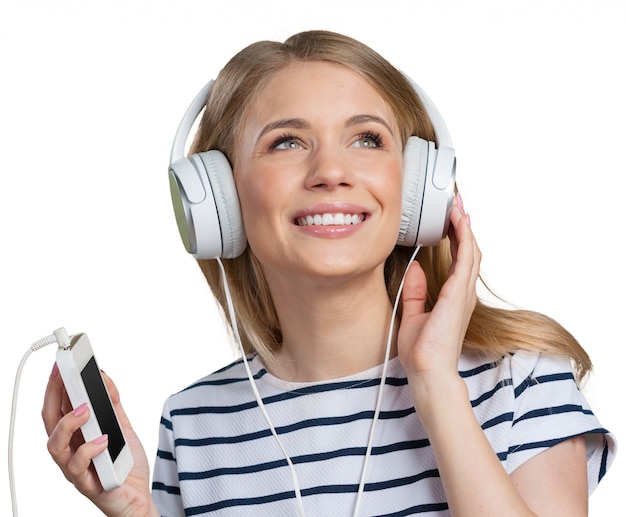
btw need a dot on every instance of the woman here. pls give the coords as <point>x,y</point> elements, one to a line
<point>481,412</point>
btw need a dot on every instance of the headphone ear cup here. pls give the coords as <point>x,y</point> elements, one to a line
<point>206,206</point>
<point>428,191</point>
<point>416,152</point>
<point>222,185</point>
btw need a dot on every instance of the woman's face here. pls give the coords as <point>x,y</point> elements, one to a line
<point>319,173</point>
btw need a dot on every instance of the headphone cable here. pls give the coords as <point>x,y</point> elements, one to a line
<point>259,400</point>
<point>45,341</point>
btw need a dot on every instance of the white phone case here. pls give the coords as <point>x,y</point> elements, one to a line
<point>77,360</point>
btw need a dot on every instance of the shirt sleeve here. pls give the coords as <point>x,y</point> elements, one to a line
<point>549,409</point>
<point>165,484</point>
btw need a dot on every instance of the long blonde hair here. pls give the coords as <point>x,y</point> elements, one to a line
<point>493,332</point>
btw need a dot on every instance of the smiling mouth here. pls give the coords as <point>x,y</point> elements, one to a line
<point>326,219</point>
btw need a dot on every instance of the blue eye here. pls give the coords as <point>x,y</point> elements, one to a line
<point>368,141</point>
<point>286,142</point>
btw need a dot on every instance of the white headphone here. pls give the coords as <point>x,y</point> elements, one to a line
<point>207,209</point>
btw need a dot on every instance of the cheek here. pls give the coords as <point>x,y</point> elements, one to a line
<point>390,186</point>
<point>261,196</point>
<point>251,204</point>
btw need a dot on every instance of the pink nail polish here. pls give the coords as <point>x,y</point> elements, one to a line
<point>467,218</point>
<point>101,439</point>
<point>459,201</point>
<point>80,410</point>
<point>55,370</point>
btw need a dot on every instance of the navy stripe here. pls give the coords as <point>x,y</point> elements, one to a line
<point>221,440</point>
<point>556,410</point>
<point>492,422</point>
<point>323,489</point>
<point>297,426</point>
<point>167,423</point>
<point>165,488</point>
<point>540,379</point>
<point>535,445</point>
<point>478,369</point>
<point>502,456</point>
<point>226,380</point>
<point>370,487</point>
<point>289,395</point>
<point>360,451</point>
<point>526,383</point>
<point>554,441</point>
<point>488,394</point>
<point>603,462</point>
<point>305,424</point>
<point>165,455</point>
<point>213,410</point>
<point>562,376</point>
<point>306,458</point>
<point>230,503</point>
<point>420,508</point>
<point>393,483</point>
<point>230,471</point>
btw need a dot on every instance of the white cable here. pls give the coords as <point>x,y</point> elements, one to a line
<point>233,322</point>
<point>383,379</point>
<point>368,452</point>
<point>48,340</point>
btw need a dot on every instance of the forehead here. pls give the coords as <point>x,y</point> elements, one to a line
<point>314,89</point>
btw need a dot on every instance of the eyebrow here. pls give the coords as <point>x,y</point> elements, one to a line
<point>363,119</point>
<point>293,123</point>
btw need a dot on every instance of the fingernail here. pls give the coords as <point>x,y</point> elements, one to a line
<point>101,439</point>
<point>467,218</point>
<point>80,410</point>
<point>459,201</point>
<point>55,370</point>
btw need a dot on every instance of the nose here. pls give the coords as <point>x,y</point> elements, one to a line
<point>329,169</point>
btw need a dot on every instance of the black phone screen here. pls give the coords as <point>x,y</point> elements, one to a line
<point>102,407</point>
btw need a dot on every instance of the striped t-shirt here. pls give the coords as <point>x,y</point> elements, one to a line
<point>217,456</point>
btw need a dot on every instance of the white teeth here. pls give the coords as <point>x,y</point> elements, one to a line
<point>330,219</point>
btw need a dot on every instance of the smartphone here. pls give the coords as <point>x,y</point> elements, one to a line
<point>84,383</point>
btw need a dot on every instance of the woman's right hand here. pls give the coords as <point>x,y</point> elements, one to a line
<point>73,455</point>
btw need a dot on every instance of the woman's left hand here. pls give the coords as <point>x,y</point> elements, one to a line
<point>429,343</point>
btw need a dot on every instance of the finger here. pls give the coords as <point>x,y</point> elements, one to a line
<point>79,467</point>
<point>64,434</point>
<point>457,204</point>
<point>52,411</point>
<point>66,406</point>
<point>465,252</point>
<point>414,292</point>
<point>460,288</point>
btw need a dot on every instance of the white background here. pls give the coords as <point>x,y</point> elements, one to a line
<point>91,93</point>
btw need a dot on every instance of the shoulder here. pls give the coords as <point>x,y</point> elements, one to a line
<point>522,383</point>
<point>520,369</point>
<point>228,386</point>
<point>528,402</point>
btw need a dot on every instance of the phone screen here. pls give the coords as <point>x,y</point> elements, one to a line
<point>102,407</point>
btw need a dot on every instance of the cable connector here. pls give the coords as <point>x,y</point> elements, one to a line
<point>44,341</point>
<point>62,338</point>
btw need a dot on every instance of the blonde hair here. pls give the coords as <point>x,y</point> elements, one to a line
<point>492,332</point>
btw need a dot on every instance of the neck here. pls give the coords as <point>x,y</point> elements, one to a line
<point>331,331</point>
